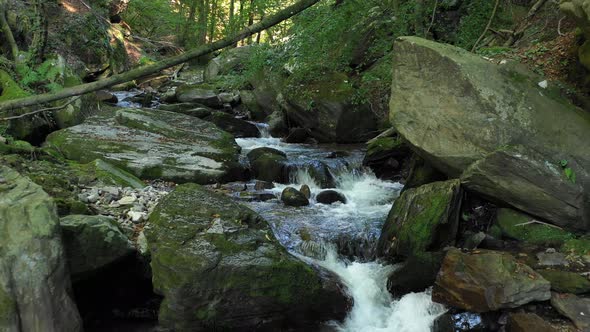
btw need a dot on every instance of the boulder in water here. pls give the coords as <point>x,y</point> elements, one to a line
<point>422,219</point>
<point>385,156</point>
<point>93,243</point>
<point>154,144</point>
<point>330,197</point>
<point>416,274</point>
<point>34,282</point>
<point>486,280</point>
<point>462,108</point>
<point>198,94</point>
<point>297,135</point>
<point>231,124</point>
<point>293,197</point>
<point>269,165</point>
<point>305,190</point>
<point>107,97</point>
<point>219,266</point>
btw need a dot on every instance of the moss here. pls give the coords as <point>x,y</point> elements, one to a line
<point>579,246</point>
<point>384,144</point>
<point>10,89</point>
<point>107,174</point>
<point>7,307</point>
<point>566,282</point>
<point>511,223</point>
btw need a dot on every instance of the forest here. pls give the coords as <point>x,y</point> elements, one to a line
<point>295,165</point>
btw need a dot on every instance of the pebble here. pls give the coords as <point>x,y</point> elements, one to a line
<point>127,200</point>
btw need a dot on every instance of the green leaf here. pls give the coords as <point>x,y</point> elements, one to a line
<point>563,163</point>
<point>570,174</point>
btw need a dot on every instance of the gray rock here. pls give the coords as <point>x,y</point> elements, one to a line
<point>154,145</point>
<point>34,283</point>
<point>551,258</point>
<point>198,94</point>
<point>237,127</point>
<point>293,197</point>
<point>92,243</point>
<point>577,309</point>
<point>461,108</point>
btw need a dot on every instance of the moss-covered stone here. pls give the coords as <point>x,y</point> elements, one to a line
<point>566,282</point>
<point>8,310</point>
<point>153,144</point>
<point>293,197</point>
<point>578,246</point>
<point>422,219</point>
<point>10,89</point>
<point>269,165</point>
<point>518,226</point>
<point>217,263</point>
<point>107,174</point>
<point>92,243</point>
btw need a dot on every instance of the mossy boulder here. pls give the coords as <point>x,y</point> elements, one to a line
<point>198,94</point>
<point>421,220</point>
<point>34,283</point>
<point>269,165</point>
<point>230,61</point>
<point>566,282</point>
<point>385,155</point>
<point>518,226</point>
<point>105,173</point>
<point>486,280</point>
<point>233,125</point>
<point>461,108</point>
<point>153,144</point>
<point>218,265</point>
<point>10,89</point>
<point>92,243</point>
<point>421,172</point>
<point>293,197</point>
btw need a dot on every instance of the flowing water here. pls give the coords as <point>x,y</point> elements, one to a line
<point>341,237</point>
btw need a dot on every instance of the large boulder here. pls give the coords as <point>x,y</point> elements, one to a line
<point>486,280</point>
<point>421,220</point>
<point>386,155</point>
<point>269,165</point>
<point>231,60</point>
<point>233,125</point>
<point>577,309</point>
<point>198,94</point>
<point>460,108</point>
<point>293,197</point>
<point>34,282</point>
<point>153,144</point>
<point>93,243</point>
<point>219,266</point>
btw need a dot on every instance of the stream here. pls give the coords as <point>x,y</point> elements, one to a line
<point>341,237</point>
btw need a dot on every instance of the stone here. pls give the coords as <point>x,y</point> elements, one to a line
<point>269,165</point>
<point>461,108</point>
<point>422,219</point>
<point>566,282</point>
<point>262,185</point>
<point>551,258</point>
<point>297,135</point>
<point>526,322</point>
<point>306,191</point>
<point>154,144</point>
<point>577,309</point>
<point>485,280</point>
<point>416,274</point>
<point>35,288</point>
<point>231,60</point>
<point>107,97</point>
<point>238,127</point>
<point>330,197</point>
<point>93,243</point>
<point>218,266</point>
<point>293,197</point>
<point>380,152</point>
<point>520,226</point>
<point>421,172</point>
<point>198,94</point>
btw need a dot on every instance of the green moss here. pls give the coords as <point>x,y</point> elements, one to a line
<point>384,144</point>
<point>579,246</point>
<point>7,307</point>
<point>10,89</point>
<point>513,225</point>
<point>107,174</point>
<point>566,282</point>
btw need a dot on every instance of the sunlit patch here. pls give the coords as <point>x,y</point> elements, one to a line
<point>74,6</point>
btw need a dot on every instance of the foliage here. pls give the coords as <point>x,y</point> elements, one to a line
<point>568,171</point>
<point>49,75</point>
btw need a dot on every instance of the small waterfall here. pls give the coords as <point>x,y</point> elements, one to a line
<point>374,309</point>
<point>264,130</point>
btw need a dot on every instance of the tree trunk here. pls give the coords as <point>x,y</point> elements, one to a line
<point>7,32</point>
<point>39,41</point>
<point>160,65</point>
<point>251,19</point>
<point>190,22</point>
<point>213,21</point>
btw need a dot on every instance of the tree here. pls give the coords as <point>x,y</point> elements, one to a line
<point>161,65</point>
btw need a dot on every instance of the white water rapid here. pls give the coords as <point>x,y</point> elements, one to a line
<point>369,200</point>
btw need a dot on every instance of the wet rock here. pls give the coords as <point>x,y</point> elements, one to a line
<point>277,124</point>
<point>305,190</point>
<point>218,265</point>
<point>231,124</point>
<point>465,321</point>
<point>180,107</point>
<point>92,243</point>
<point>293,197</point>
<point>416,274</point>
<point>261,185</point>
<point>297,135</point>
<point>384,155</point>
<point>199,112</point>
<point>566,282</point>
<point>337,154</point>
<point>198,94</point>
<point>422,219</point>
<point>154,145</point>
<point>526,322</point>
<point>34,282</point>
<point>330,197</point>
<point>269,165</point>
<point>421,172</point>
<point>500,107</point>
<point>485,280</point>
<point>577,309</point>
<point>251,106</point>
<point>473,240</point>
<point>106,97</point>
